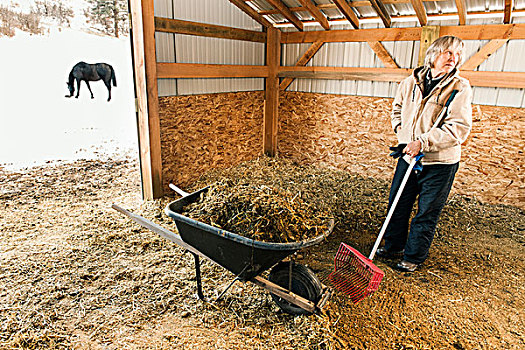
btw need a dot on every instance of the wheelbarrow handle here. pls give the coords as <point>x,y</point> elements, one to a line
<point>178,190</point>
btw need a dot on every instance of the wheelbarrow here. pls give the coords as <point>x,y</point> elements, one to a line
<point>293,287</point>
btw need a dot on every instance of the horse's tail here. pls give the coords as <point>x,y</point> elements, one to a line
<point>113,78</point>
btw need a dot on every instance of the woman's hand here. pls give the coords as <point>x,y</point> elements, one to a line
<point>413,148</point>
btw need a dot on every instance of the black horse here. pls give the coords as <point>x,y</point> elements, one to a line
<point>91,72</point>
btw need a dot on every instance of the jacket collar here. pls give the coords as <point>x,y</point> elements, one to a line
<point>421,72</point>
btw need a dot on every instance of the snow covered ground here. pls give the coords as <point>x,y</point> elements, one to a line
<point>38,124</point>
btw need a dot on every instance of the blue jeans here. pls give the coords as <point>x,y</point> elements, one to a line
<point>433,185</point>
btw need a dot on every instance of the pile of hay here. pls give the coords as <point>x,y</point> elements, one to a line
<point>258,211</point>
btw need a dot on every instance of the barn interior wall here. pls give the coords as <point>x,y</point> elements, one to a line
<point>351,133</point>
<point>191,49</point>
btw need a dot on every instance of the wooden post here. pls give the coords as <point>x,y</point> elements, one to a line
<point>271,102</point>
<point>428,35</point>
<point>144,65</point>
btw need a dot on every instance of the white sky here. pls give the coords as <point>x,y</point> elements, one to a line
<point>38,123</point>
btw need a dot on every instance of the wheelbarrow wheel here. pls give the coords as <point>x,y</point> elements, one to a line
<point>303,283</point>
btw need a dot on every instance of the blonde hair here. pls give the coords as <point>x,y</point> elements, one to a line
<point>442,44</point>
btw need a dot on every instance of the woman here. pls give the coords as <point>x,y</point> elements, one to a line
<point>419,100</point>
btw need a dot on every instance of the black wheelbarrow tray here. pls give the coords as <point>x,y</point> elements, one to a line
<point>293,287</point>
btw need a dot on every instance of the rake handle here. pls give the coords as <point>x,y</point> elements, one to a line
<point>178,190</point>
<point>392,207</point>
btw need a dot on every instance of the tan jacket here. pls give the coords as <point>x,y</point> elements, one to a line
<point>413,116</point>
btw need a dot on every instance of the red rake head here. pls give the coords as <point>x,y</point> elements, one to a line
<point>354,274</point>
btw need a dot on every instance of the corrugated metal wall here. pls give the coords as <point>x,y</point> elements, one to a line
<point>405,54</point>
<point>192,49</point>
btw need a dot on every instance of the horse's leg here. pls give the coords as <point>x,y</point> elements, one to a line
<point>78,88</point>
<point>89,88</point>
<point>108,85</point>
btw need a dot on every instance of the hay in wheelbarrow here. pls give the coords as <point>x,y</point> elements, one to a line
<point>260,212</point>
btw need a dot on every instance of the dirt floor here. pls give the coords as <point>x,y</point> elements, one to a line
<point>75,273</point>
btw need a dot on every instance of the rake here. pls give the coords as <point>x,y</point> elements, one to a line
<point>356,275</point>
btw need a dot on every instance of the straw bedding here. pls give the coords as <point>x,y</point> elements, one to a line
<point>75,274</point>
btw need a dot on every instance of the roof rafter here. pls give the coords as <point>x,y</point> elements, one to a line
<point>421,13</point>
<point>462,11</point>
<point>430,17</point>
<point>241,4</point>
<point>316,13</point>
<point>347,11</point>
<point>285,11</point>
<point>381,10</point>
<point>507,11</point>
<point>357,3</point>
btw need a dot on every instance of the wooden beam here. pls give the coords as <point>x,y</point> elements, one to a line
<point>305,58</point>
<point>383,54</point>
<point>462,11</point>
<point>486,31</point>
<point>345,73</point>
<point>316,13</point>
<point>148,123</point>
<point>471,32</point>
<point>195,70</point>
<point>511,80</point>
<point>476,78</point>
<point>178,26</point>
<point>428,35</point>
<point>271,101</point>
<point>190,70</point>
<point>484,53</point>
<point>507,11</point>
<point>285,11</point>
<point>353,35</point>
<point>382,12</point>
<point>347,11</point>
<point>251,12</point>
<point>421,13</point>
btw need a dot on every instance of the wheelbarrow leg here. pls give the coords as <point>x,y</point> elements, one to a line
<point>198,276</point>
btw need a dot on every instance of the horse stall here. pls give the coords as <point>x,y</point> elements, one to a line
<point>224,83</point>
<point>184,135</point>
